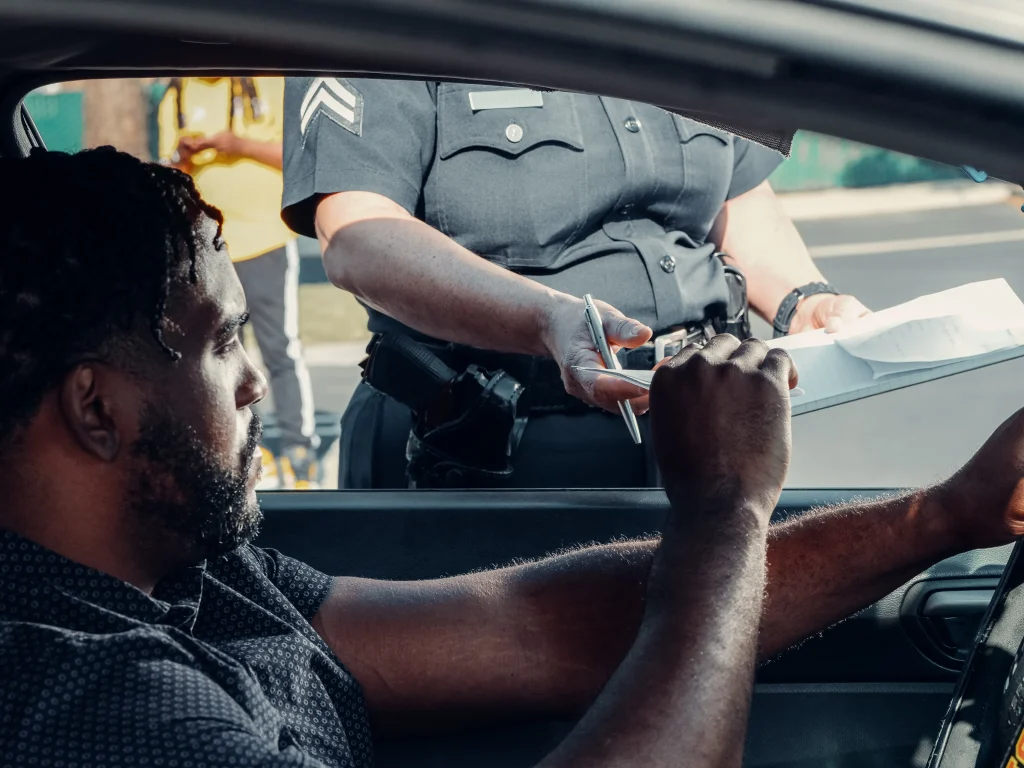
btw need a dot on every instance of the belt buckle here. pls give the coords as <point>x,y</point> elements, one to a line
<point>683,337</point>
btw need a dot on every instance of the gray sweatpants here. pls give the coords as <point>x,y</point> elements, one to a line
<point>271,284</point>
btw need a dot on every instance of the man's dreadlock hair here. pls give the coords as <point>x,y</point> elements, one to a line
<point>91,245</point>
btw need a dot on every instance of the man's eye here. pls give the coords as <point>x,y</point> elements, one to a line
<point>231,343</point>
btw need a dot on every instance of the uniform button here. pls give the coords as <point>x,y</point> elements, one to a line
<point>514,133</point>
<point>668,264</point>
<point>632,125</point>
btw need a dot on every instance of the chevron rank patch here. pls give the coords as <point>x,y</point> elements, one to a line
<point>336,99</point>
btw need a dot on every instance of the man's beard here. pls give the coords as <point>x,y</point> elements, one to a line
<point>180,486</point>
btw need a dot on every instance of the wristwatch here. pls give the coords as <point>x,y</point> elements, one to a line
<point>784,317</point>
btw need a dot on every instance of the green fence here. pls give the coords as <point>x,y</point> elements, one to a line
<point>822,162</point>
<point>58,117</point>
<point>816,162</point>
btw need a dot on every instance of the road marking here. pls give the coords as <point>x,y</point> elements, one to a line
<point>841,203</point>
<point>916,244</point>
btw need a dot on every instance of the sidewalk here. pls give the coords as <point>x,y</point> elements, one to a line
<point>897,198</point>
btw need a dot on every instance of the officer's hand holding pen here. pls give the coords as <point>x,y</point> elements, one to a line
<point>596,327</point>
<point>570,344</point>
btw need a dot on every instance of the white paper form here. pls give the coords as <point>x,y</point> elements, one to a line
<point>928,338</point>
<point>931,337</point>
<point>937,329</point>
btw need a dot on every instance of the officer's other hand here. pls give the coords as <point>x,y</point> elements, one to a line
<point>720,422</point>
<point>569,344</point>
<point>828,311</point>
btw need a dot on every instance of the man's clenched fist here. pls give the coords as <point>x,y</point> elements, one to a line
<point>720,420</point>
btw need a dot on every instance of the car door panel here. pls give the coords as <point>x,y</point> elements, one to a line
<point>425,534</point>
<point>791,726</point>
<point>870,691</point>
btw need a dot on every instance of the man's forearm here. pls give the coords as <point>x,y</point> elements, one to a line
<point>415,274</point>
<point>682,692</point>
<point>458,649</point>
<point>585,605</point>
<point>544,637</point>
<point>825,566</point>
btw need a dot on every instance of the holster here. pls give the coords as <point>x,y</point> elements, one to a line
<point>466,426</point>
<point>736,318</point>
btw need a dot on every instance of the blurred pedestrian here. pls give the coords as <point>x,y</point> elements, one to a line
<point>226,132</point>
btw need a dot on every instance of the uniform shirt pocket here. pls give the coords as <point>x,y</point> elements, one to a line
<point>508,184</point>
<point>689,129</point>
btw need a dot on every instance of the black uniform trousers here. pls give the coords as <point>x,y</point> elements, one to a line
<point>558,450</point>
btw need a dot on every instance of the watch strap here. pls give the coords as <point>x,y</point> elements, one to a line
<point>788,306</point>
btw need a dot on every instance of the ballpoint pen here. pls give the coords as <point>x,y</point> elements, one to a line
<point>610,361</point>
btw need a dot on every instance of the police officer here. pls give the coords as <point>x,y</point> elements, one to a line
<point>479,215</point>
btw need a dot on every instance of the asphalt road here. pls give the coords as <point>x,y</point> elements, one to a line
<point>920,434</point>
<point>912,436</point>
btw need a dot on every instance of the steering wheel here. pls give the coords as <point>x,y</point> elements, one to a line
<point>983,727</point>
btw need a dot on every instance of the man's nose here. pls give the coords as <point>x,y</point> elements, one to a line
<point>254,389</point>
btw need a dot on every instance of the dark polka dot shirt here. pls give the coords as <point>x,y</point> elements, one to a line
<point>220,667</point>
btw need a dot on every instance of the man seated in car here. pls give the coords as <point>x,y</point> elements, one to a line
<point>138,622</point>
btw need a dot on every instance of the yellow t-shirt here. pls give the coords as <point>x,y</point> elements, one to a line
<point>246,191</point>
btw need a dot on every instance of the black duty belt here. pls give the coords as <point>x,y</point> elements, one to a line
<point>542,378</point>
<point>665,345</point>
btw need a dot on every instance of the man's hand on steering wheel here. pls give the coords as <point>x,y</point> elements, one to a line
<point>984,501</point>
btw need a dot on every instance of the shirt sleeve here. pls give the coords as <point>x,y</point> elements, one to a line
<point>752,165</point>
<point>349,135</point>
<point>302,585</point>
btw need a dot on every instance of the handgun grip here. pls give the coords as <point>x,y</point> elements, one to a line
<point>406,370</point>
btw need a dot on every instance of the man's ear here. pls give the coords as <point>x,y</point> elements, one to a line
<point>85,404</point>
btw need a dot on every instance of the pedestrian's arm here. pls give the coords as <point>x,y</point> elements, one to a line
<point>231,145</point>
<point>760,238</point>
<point>266,152</point>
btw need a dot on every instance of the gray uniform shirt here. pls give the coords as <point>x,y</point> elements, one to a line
<point>586,194</point>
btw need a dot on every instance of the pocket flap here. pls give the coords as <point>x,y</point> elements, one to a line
<point>688,129</point>
<point>508,131</point>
